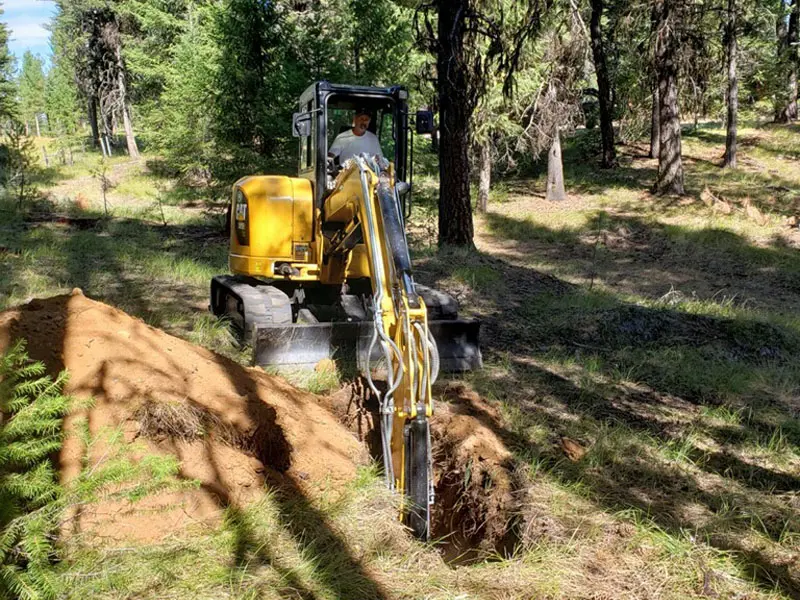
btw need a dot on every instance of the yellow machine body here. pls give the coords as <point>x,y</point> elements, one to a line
<point>277,234</point>
<point>275,225</point>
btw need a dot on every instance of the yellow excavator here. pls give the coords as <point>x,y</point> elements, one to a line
<point>321,270</point>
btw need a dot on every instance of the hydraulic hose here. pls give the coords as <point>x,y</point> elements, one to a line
<point>388,346</point>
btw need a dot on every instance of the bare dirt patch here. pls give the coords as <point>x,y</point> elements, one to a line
<point>232,428</point>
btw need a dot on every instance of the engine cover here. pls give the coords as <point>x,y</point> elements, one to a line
<point>272,227</point>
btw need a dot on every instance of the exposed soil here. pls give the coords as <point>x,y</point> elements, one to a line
<point>232,428</point>
<point>478,491</point>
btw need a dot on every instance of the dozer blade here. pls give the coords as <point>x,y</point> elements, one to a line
<point>304,345</point>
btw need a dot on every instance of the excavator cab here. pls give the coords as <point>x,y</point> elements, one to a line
<point>321,270</point>
<point>327,110</point>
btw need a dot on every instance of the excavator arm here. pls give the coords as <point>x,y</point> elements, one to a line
<point>365,199</point>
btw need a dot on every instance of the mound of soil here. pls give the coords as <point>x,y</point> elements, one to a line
<point>232,428</point>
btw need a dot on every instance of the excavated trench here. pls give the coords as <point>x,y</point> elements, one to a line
<point>478,490</point>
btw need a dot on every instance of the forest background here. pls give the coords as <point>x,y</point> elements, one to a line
<point>210,85</point>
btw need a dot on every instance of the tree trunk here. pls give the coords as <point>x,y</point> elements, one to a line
<point>655,125</point>
<point>670,167</point>
<point>733,87</point>
<point>485,180</point>
<point>789,57</point>
<point>38,131</point>
<point>92,110</point>
<point>555,171</point>
<point>455,209</point>
<point>604,87</point>
<point>793,39</point>
<point>133,149</point>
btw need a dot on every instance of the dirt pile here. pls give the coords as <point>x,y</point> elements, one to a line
<point>232,428</point>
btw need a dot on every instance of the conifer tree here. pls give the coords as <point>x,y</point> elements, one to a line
<point>31,92</point>
<point>32,410</point>
<point>180,123</point>
<point>8,90</point>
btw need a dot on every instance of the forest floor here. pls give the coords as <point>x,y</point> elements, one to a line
<point>642,367</point>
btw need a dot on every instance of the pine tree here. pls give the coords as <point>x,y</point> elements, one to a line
<point>20,159</point>
<point>180,124</point>
<point>31,91</point>
<point>61,97</point>
<point>8,90</point>
<point>251,114</point>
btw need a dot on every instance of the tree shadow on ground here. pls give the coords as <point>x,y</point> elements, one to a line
<point>111,263</point>
<point>119,389</point>
<point>649,258</point>
<point>635,383</point>
<point>126,262</point>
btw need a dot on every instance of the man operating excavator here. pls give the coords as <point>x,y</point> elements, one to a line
<point>357,140</point>
<point>321,269</point>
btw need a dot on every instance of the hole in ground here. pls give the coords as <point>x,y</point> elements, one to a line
<point>477,505</point>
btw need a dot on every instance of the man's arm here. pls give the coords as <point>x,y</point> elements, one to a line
<point>336,146</point>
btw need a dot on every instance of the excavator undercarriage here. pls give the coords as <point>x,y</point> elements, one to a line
<point>321,270</point>
<point>297,326</point>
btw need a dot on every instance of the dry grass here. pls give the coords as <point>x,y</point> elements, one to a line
<point>187,422</point>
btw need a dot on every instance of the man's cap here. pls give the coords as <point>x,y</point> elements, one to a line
<point>363,110</point>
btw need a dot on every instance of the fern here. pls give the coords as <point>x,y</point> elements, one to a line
<point>32,502</point>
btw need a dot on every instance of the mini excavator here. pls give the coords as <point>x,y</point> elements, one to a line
<point>321,270</point>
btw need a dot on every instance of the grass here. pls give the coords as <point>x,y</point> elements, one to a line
<point>158,273</point>
<point>661,336</point>
<point>321,381</point>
